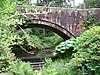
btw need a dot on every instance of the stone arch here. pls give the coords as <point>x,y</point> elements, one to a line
<point>61,31</point>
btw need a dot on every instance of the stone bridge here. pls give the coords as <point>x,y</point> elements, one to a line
<point>65,22</point>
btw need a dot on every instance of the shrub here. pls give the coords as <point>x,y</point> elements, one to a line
<point>65,48</point>
<point>88,54</point>
<point>86,60</point>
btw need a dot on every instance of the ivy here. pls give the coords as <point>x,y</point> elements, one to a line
<point>91,21</point>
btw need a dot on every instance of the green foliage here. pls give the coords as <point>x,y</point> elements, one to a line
<point>6,36</point>
<point>86,60</point>
<point>20,68</point>
<point>48,62</point>
<point>22,2</point>
<point>50,41</point>
<point>57,67</point>
<point>65,48</point>
<point>37,42</point>
<point>80,6</point>
<point>10,36</point>
<point>91,21</point>
<point>92,3</point>
<point>35,36</point>
<point>89,4</point>
<point>88,54</point>
<point>54,3</point>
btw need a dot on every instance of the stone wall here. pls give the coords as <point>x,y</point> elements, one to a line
<point>70,19</point>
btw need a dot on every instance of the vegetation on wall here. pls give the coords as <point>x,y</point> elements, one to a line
<point>91,21</point>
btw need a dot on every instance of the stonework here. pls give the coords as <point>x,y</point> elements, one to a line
<point>68,21</point>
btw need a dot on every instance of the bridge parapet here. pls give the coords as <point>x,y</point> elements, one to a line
<point>71,19</point>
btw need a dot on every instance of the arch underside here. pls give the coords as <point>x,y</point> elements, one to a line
<point>49,25</point>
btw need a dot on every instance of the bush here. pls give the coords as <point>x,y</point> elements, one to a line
<point>65,48</point>
<point>88,54</point>
<point>86,59</point>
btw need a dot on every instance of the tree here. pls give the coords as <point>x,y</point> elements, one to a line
<point>6,36</point>
<point>54,3</point>
<point>92,3</point>
<point>50,3</point>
